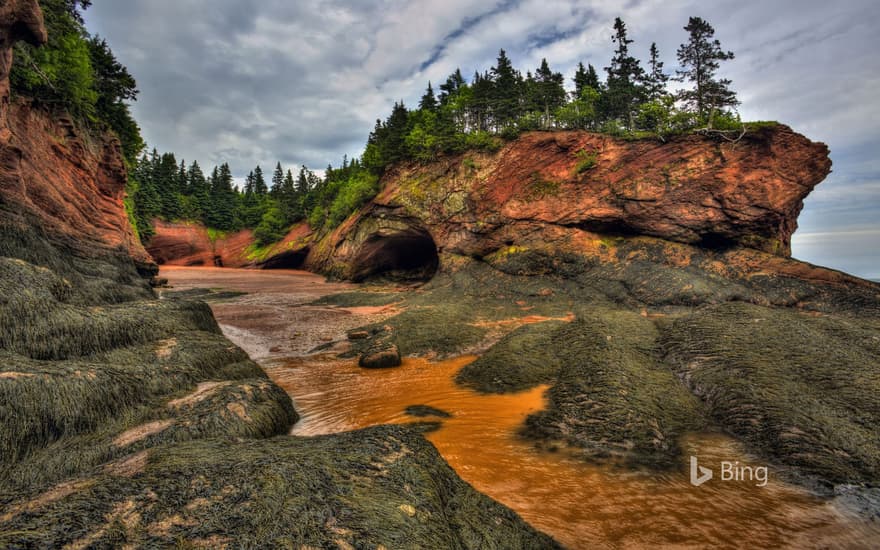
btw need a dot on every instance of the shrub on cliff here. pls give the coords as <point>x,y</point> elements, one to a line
<point>271,227</point>
<point>78,73</point>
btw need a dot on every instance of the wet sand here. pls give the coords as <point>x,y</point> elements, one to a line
<point>582,505</point>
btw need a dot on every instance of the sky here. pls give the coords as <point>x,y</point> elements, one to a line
<point>260,81</point>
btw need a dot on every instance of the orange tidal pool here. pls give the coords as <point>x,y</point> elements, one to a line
<point>582,505</point>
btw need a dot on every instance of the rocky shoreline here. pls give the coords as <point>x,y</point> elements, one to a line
<point>131,421</point>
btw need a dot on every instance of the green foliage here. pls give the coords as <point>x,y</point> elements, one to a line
<point>358,190</point>
<point>59,74</point>
<point>540,187</point>
<point>482,141</point>
<point>581,112</point>
<point>700,59</point>
<point>586,161</point>
<point>761,124</point>
<point>78,73</point>
<point>271,227</point>
<point>727,121</point>
<point>496,105</point>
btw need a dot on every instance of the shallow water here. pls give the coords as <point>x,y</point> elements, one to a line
<point>582,505</point>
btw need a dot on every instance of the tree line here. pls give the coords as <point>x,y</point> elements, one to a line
<point>78,73</point>
<point>633,99</point>
<point>166,189</point>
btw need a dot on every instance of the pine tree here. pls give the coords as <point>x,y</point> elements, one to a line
<point>585,78</point>
<point>593,78</point>
<point>182,180</point>
<point>199,189</point>
<point>167,180</point>
<point>223,199</point>
<point>451,87</point>
<point>505,97</point>
<point>550,91</point>
<point>302,181</point>
<point>655,79</point>
<point>623,92</point>
<point>147,202</point>
<point>289,200</point>
<point>277,180</point>
<point>428,102</point>
<point>260,187</point>
<point>580,80</point>
<point>482,89</point>
<point>700,59</point>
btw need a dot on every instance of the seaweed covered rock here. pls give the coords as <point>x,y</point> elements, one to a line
<point>381,487</point>
<point>383,357</point>
<point>801,388</point>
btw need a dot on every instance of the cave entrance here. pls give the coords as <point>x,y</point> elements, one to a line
<point>292,259</point>
<point>409,255</point>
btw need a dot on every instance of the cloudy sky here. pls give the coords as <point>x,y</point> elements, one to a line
<point>261,81</point>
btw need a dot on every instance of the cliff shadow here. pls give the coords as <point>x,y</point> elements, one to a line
<point>409,255</point>
<point>291,259</point>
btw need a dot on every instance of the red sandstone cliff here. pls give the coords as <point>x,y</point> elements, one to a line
<point>551,189</point>
<point>694,189</point>
<point>52,174</point>
<point>190,243</point>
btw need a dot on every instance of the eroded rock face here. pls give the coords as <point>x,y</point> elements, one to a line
<point>72,183</point>
<point>694,189</point>
<point>189,244</point>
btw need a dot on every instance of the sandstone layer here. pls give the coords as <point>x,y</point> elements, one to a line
<point>695,189</point>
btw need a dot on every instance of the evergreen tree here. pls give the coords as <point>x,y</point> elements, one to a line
<point>428,102</point>
<point>223,199</point>
<point>115,87</point>
<point>387,143</point>
<point>550,93</point>
<point>700,59</point>
<point>182,180</point>
<point>260,187</point>
<point>623,92</point>
<point>593,78</point>
<point>580,80</point>
<point>482,92</point>
<point>505,96</point>
<point>199,189</point>
<point>290,200</point>
<point>655,79</point>
<point>167,181</point>
<point>147,203</point>
<point>303,181</point>
<point>277,180</point>
<point>451,87</point>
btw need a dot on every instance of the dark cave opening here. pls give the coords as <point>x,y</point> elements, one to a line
<point>716,241</point>
<point>292,259</point>
<point>410,255</point>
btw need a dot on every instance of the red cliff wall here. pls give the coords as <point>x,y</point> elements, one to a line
<point>52,174</point>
